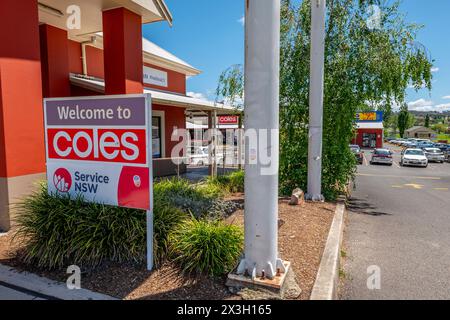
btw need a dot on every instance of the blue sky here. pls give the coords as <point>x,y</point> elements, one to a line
<point>209,35</point>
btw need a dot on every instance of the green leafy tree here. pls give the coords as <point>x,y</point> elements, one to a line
<point>440,128</point>
<point>230,88</point>
<point>427,121</point>
<point>403,119</point>
<point>365,67</point>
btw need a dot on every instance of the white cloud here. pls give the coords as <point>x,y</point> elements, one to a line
<point>442,107</point>
<point>446,98</point>
<point>197,95</point>
<point>420,105</point>
<point>428,106</point>
<point>242,21</point>
<point>434,69</point>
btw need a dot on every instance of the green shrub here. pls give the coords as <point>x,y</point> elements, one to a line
<point>198,200</point>
<point>233,182</point>
<point>207,247</point>
<point>166,220</point>
<point>57,231</point>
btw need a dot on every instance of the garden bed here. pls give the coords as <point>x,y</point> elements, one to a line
<point>302,238</point>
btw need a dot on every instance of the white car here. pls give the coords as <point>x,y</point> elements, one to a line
<point>434,154</point>
<point>414,157</point>
<point>201,157</point>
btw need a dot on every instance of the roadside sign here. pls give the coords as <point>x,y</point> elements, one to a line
<point>231,119</point>
<point>101,148</point>
<point>374,116</point>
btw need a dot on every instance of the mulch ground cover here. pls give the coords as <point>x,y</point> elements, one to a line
<point>302,235</point>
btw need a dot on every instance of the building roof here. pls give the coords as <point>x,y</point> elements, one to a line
<point>369,125</point>
<point>159,97</point>
<point>419,128</point>
<point>157,54</point>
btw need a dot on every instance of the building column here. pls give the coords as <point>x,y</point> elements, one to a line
<point>22,153</point>
<point>212,143</point>
<point>55,61</point>
<point>122,42</point>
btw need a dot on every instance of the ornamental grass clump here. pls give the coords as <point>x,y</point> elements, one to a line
<point>197,200</point>
<point>57,231</point>
<point>231,183</point>
<point>207,247</point>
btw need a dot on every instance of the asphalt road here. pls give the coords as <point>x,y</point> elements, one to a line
<point>399,222</point>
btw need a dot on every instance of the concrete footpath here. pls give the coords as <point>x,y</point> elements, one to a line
<point>15,285</point>
<point>8,292</point>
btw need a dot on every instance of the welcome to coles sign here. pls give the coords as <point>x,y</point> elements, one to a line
<point>98,147</point>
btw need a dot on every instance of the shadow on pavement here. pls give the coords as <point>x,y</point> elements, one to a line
<point>360,206</point>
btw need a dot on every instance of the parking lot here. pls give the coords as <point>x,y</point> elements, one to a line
<point>399,222</point>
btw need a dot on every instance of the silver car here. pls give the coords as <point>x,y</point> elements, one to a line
<point>382,156</point>
<point>434,155</point>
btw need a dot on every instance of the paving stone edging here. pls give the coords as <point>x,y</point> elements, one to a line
<point>327,280</point>
<point>47,287</point>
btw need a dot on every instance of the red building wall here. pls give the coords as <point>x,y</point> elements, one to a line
<point>175,117</point>
<point>21,111</point>
<point>359,137</point>
<point>95,65</point>
<point>95,62</point>
<point>176,81</point>
<point>75,57</point>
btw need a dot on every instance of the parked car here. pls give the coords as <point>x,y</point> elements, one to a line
<point>447,155</point>
<point>434,155</point>
<point>201,157</point>
<point>358,153</point>
<point>382,156</point>
<point>425,145</point>
<point>409,144</point>
<point>414,157</point>
<point>442,146</point>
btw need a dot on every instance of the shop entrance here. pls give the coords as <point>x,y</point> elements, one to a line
<point>369,140</point>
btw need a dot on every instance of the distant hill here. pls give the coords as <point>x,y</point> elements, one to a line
<point>423,113</point>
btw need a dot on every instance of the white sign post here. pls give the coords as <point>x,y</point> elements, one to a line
<point>100,148</point>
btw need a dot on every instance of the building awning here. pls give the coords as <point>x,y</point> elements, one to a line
<point>54,12</point>
<point>369,125</point>
<point>162,98</point>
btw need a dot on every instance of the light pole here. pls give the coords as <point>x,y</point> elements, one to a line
<point>262,66</point>
<point>318,9</point>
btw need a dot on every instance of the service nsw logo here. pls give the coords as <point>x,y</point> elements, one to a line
<point>63,181</point>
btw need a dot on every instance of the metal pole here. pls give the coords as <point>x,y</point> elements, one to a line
<point>262,32</point>
<point>215,138</point>
<point>149,214</point>
<point>318,8</point>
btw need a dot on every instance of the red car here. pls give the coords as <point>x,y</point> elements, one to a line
<point>358,153</point>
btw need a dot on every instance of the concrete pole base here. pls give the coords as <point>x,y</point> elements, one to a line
<point>315,197</point>
<point>283,287</point>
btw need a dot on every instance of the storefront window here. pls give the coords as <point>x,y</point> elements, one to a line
<point>156,137</point>
<point>369,140</point>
